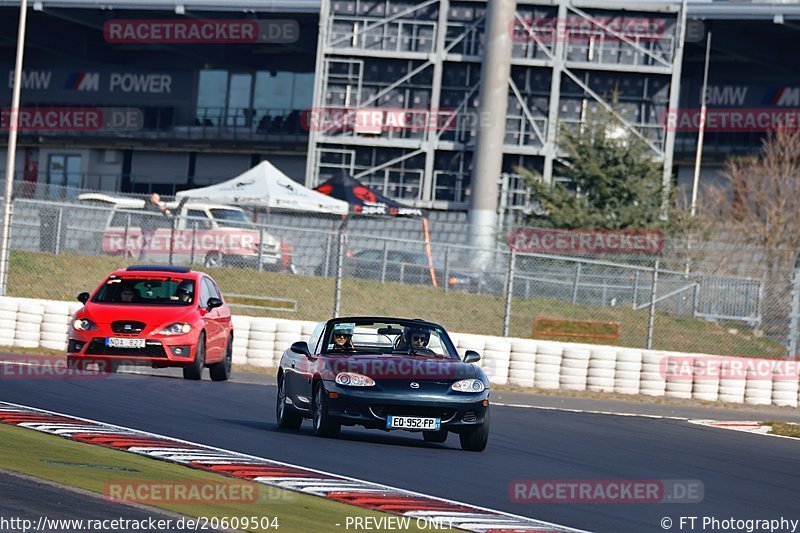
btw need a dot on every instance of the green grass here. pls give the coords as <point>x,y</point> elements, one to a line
<point>786,429</point>
<point>94,468</point>
<point>41,275</point>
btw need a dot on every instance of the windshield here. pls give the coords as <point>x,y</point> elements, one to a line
<point>230,218</point>
<point>146,290</point>
<point>384,337</point>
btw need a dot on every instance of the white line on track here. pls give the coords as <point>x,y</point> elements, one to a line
<point>587,411</point>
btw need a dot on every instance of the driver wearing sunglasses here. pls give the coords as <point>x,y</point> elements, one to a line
<point>416,339</point>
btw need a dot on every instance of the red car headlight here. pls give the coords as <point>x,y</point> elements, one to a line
<point>178,328</point>
<point>83,324</point>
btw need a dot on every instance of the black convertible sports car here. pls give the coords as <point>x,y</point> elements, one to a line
<point>384,373</point>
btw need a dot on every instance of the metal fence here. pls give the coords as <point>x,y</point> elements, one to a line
<point>310,267</point>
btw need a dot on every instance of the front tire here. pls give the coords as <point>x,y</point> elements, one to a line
<point>222,371</point>
<point>474,440</point>
<point>324,425</point>
<point>195,370</point>
<point>287,417</point>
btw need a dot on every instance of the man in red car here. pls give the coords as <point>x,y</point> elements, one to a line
<point>126,295</point>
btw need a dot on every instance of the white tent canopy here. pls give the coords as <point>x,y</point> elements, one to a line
<point>267,187</point>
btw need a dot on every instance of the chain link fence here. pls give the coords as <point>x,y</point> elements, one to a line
<point>308,267</point>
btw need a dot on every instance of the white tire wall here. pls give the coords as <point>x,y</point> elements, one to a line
<point>27,333</point>
<point>8,321</point>
<point>785,389</point>
<point>653,381</point>
<point>241,336</point>
<point>628,371</point>
<point>497,356</point>
<point>261,352</point>
<point>286,333</point>
<point>602,368</point>
<point>732,383</point>
<point>705,381</point>
<point>680,370</point>
<point>522,363</point>
<point>758,387</point>
<point>574,371</point>
<point>548,365</point>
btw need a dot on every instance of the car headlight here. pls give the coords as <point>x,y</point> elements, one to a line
<point>83,324</point>
<point>354,380</point>
<point>468,385</point>
<point>179,328</point>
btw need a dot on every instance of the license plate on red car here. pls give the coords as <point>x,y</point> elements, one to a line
<point>412,422</point>
<point>117,342</point>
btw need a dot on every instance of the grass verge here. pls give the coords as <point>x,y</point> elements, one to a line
<point>99,469</point>
<point>787,429</point>
<point>33,275</point>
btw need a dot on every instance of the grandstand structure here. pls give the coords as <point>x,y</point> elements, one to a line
<point>397,88</point>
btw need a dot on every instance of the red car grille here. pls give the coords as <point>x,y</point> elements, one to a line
<point>130,327</point>
<point>98,347</point>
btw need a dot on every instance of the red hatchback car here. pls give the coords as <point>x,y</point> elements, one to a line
<point>157,315</point>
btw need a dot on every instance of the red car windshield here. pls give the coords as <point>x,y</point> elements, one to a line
<point>146,290</point>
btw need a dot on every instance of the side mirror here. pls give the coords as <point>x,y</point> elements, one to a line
<point>471,356</point>
<point>83,297</point>
<point>213,302</point>
<point>300,347</point>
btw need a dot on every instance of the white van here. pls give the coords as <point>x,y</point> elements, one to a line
<point>220,234</point>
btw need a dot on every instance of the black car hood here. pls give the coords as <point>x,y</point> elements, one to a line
<point>401,366</point>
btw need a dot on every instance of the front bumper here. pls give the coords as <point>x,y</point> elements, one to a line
<point>161,350</point>
<point>370,406</point>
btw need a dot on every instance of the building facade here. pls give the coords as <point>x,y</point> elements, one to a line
<point>388,95</point>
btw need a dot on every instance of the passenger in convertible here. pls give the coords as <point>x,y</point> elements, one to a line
<point>343,339</point>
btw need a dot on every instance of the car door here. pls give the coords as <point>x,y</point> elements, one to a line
<point>212,319</point>
<point>223,317</point>
<point>298,370</point>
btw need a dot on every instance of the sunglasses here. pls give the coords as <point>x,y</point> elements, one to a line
<point>341,334</point>
<point>415,338</point>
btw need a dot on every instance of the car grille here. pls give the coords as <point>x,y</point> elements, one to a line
<point>152,349</point>
<point>131,327</point>
<point>382,411</point>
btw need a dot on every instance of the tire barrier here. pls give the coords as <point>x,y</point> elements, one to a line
<point>241,337</point>
<point>548,365</point>
<point>522,363</point>
<point>602,367</point>
<point>531,363</point>
<point>574,372</point>
<point>653,381</point>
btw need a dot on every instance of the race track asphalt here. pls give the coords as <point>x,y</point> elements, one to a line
<point>28,504</point>
<point>744,476</point>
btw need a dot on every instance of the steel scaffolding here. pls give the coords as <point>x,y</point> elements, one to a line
<point>397,85</point>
